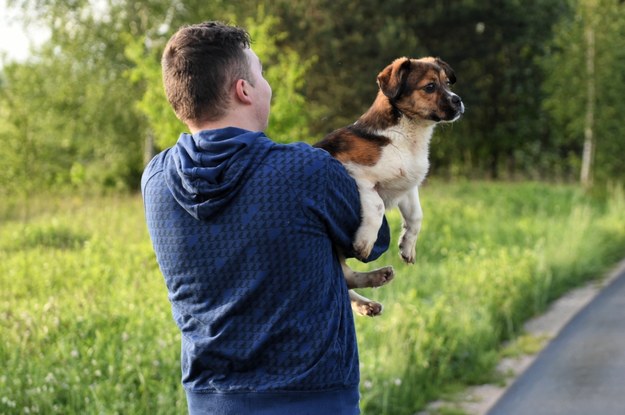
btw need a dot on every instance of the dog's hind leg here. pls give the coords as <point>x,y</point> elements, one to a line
<point>368,279</point>
<point>363,306</point>
<point>412,215</point>
<point>376,278</point>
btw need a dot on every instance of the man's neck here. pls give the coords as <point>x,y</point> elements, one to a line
<point>230,120</point>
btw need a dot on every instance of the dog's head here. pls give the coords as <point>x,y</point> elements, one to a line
<point>419,88</point>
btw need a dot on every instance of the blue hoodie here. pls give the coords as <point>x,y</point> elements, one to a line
<point>245,233</point>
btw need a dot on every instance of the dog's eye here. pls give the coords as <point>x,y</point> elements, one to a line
<point>430,88</point>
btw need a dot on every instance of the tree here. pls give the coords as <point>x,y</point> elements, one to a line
<point>574,73</point>
<point>495,47</point>
<point>18,153</point>
<point>80,109</point>
<point>162,122</point>
<point>285,71</point>
<point>91,99</point>
<point>350,42</point>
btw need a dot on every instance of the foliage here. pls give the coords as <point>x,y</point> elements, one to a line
<point>70,113</point>
<point>489,257</point>
<point>90,101</point>
<point>286,72</point>
<point>86,326</point>
<point>566,85</point>
<point>494,48</point>
<point>161,119</point>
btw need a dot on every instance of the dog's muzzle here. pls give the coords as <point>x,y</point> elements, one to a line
<point>457,105</point>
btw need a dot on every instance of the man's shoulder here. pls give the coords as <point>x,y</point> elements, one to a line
<point>299,150</point>
<point>154,167</point>
<point>305,169</point>
<point>304,159</point>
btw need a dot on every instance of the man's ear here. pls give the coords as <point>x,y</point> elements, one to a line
<point>241,90</point>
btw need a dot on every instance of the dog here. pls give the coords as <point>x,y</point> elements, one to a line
<point>386,152</point>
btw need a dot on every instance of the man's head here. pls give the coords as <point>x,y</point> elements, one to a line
<point>209,70</point>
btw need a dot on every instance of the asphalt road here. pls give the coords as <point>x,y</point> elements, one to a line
<point>582,371</point>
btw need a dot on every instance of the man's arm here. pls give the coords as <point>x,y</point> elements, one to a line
<point>342,214</point>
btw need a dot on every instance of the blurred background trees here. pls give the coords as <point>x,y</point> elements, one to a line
<point>87,109</point>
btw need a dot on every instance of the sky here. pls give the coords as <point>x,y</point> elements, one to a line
<point>14,41</point>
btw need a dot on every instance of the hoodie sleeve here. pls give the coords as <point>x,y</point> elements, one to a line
<point>342,212</point>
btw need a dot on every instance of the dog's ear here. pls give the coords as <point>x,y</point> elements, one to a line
<point>448,71</point>
<point>392,80</point>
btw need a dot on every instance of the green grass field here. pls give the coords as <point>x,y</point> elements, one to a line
<point>85,325</point>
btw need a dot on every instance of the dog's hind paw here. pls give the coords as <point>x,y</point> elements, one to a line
<point>380,277</point>
<point>369,308</point>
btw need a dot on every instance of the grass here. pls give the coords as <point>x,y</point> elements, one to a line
<point>490,256</point>
<point>84,318</point>
<point>85,325</point>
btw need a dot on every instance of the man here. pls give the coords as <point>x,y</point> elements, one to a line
<point>245,232</point>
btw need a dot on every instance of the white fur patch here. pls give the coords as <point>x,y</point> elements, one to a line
<point>403,163</point>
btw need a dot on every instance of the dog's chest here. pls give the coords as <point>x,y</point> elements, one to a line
<point>403,163</point>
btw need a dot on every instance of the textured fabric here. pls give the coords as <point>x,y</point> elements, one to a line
<point>195,171</point>
<point>245,232</point>
<point>327,402</point>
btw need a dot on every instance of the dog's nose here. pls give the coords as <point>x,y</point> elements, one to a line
<point>457,104</point>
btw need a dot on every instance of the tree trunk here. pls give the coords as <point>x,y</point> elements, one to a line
<point>589,137</point>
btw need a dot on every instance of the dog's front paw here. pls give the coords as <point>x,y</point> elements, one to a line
<point>407,251</point>
<point>363,243</point>
<point>362,249</point>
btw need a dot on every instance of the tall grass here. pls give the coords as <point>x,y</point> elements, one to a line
<point>85,326</point>
<point>489,257</point>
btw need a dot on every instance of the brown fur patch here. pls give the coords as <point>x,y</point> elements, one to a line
<point>350,144</point>
<point>380,115</point>
<point>363,152</point>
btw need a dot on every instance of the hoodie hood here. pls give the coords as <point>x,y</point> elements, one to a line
<point>204,171</point>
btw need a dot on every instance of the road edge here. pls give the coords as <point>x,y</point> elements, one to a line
<point>478,400</point>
